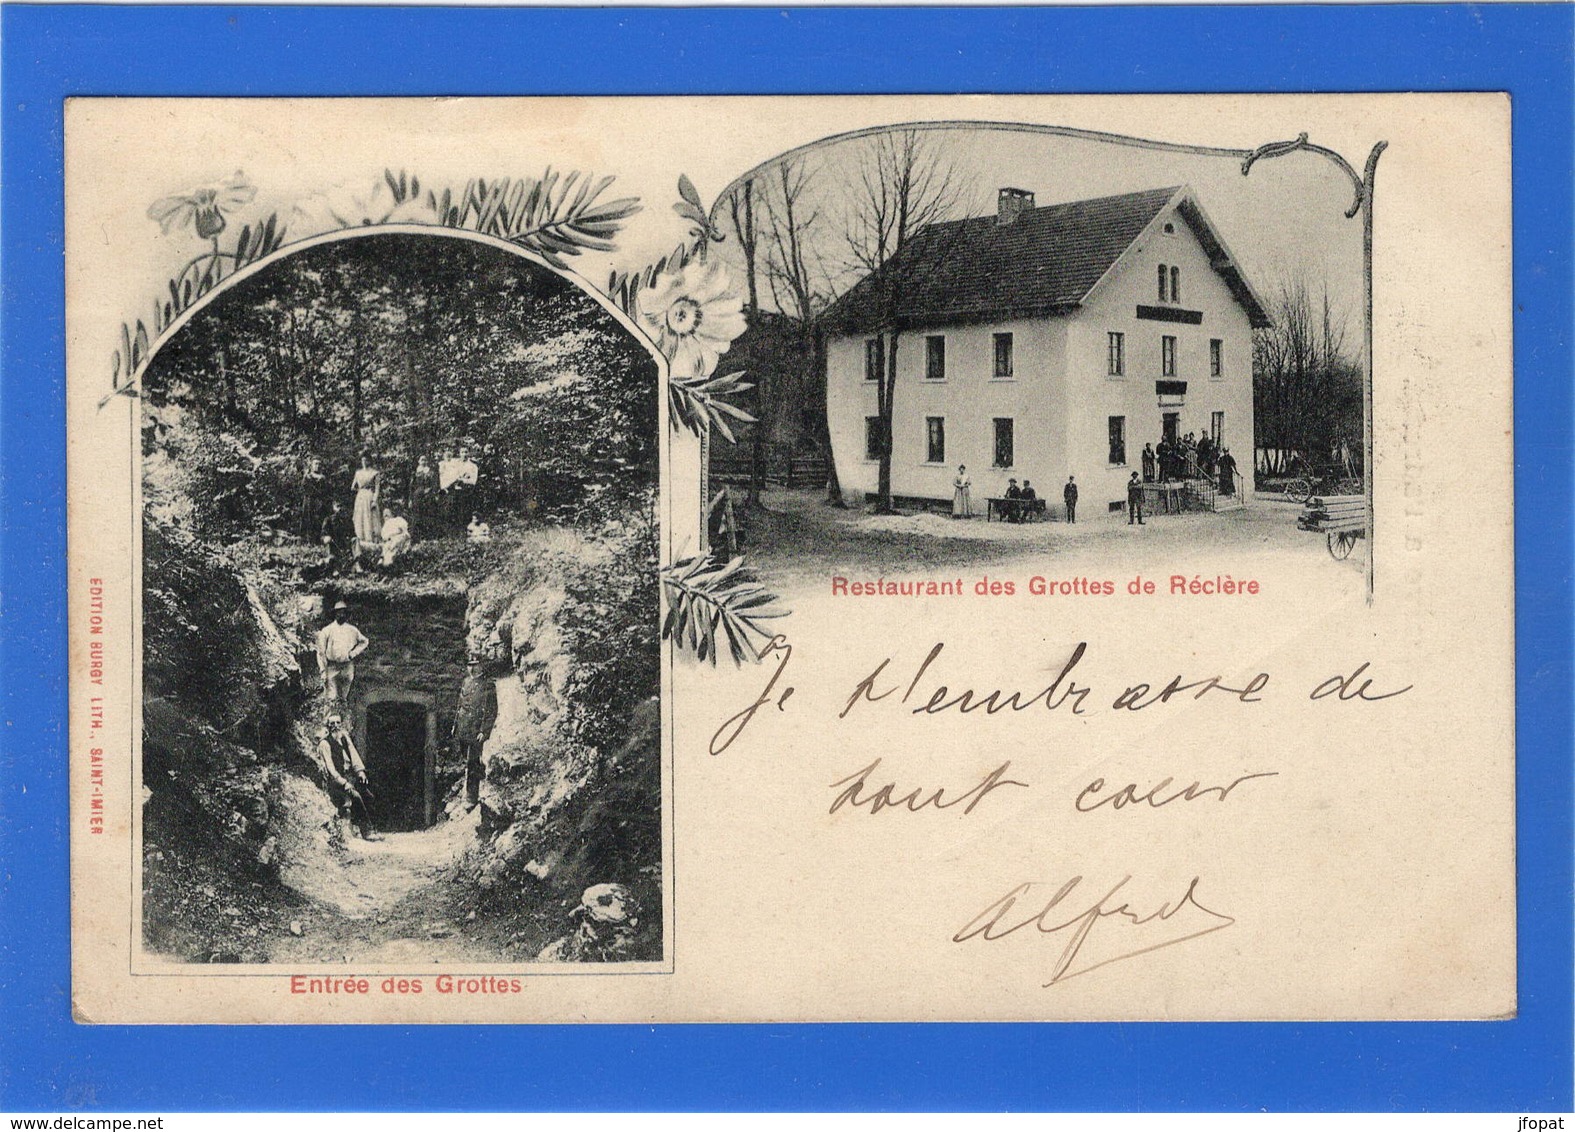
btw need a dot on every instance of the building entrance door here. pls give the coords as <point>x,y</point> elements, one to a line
<point>1171,426</point>
<point>396,764</point>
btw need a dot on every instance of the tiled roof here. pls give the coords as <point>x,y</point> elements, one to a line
<point>1048,259</point>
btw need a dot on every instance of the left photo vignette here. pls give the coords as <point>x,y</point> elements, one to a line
<point>372,492</point>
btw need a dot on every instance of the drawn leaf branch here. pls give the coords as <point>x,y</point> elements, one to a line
<point>554,216</point>
<point>711,602</point>
<point>698,403</point>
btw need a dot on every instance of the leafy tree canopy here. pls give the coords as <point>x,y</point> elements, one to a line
<point>402,346</point>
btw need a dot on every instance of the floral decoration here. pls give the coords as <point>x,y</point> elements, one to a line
<point>204,209</point>
<point>694,316</point>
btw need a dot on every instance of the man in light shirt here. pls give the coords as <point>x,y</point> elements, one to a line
<point>338,644</point>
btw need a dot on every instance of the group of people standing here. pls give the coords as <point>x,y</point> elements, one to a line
<point>1187,457</point>
<point>1172,460</point>
<point>376,530</point>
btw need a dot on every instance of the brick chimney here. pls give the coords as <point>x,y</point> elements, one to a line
<point>1012,203</point>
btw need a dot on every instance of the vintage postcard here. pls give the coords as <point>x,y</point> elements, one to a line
<point>791,559</point>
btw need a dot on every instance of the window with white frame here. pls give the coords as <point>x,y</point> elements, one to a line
<point>935,440</point>
<point>1005,440</point>
<point>935,357</point>
<point>1002,367</point>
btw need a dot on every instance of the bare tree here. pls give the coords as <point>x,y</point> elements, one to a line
<point>905,182</point>
<point>800,286</point>
<point>1306,390</point>
<point>741,207</point>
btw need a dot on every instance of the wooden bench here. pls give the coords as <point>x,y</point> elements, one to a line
<point>1341,520</point>
<point>1032,510</point>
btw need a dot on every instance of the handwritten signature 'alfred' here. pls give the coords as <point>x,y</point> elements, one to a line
<point>1068,911</point>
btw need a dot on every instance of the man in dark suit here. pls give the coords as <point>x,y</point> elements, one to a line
<point>1069,494</point>
<point>1030,497</point>
<point>1014,510</point>
<point>1134,501</point>
<point>338,535</point>
<point>474,719</point>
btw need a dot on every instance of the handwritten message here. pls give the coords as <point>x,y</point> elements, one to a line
<point>1069,911</point>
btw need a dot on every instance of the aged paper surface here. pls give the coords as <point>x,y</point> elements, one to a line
<point>988,767</point>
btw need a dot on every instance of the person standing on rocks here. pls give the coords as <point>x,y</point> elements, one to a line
<point>368,515</point>
<point>338,535</point>
<point>338,644</point>
<point>341,764</point>
<point>473,723</point>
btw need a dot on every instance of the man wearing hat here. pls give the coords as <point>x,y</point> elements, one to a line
<point>1134,501</point>
<point>473,723</point>
<point>338,644</point>
<point>341,764</point>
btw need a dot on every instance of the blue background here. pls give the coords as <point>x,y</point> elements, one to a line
<point>48,1063</point>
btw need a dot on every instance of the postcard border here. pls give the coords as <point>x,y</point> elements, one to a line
<point>52,53</point>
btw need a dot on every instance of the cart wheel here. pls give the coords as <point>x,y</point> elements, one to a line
<point>1340,544</point>
<point>1299,489</point>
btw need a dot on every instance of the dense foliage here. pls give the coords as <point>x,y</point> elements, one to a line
<point>402,346</point>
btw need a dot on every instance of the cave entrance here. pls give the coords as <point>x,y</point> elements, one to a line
<point>397,765</point>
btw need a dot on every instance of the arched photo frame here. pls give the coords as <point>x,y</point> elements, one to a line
<point>1344,522</point>
<point>415,671</point>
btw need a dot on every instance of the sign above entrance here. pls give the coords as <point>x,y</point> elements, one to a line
<point>1170,314</point>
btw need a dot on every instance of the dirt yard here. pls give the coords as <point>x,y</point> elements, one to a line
<point>799,542</point>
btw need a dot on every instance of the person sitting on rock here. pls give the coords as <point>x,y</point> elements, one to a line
<point>341,765</point>
<point>478,531</point>
<point>396,536</point>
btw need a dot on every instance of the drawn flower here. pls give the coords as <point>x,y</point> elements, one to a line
<point>346,207</point>
<point>694,317</point>
<point>203,208</point>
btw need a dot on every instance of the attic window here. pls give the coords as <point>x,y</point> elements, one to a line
<point>1169,284</point>
<point>1170,229</point>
